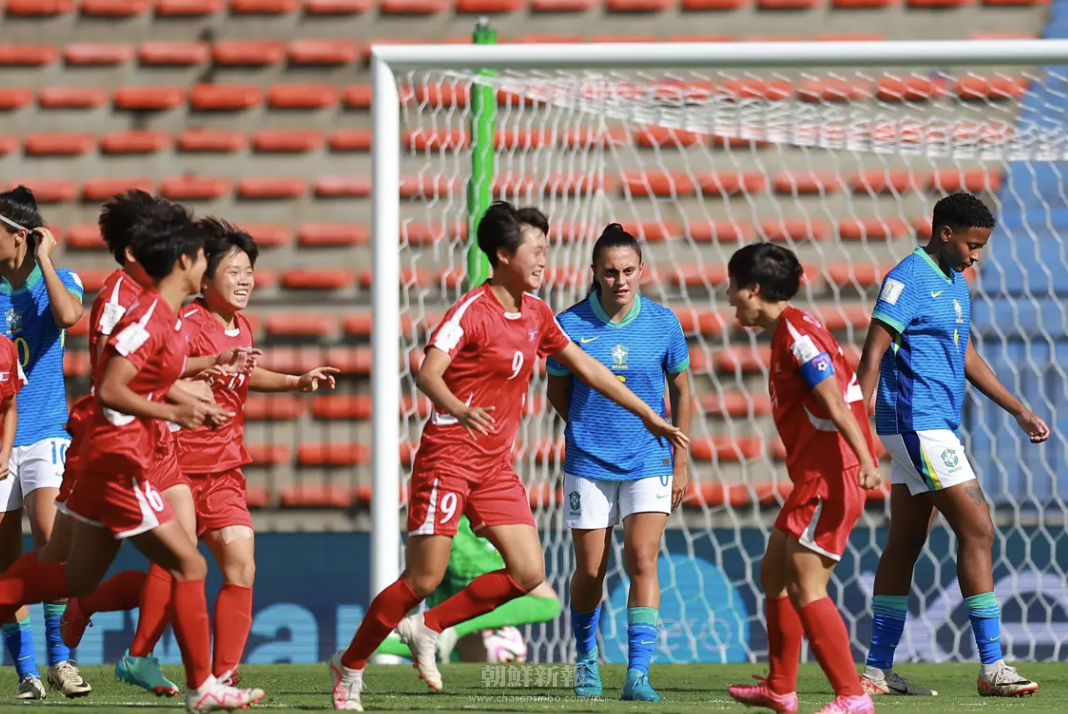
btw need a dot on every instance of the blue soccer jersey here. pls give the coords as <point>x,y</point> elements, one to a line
<point>605,441</point>
<point>28,322</point>
<point>921,377</point>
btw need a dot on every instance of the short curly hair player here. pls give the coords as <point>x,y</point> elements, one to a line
<point>919,353</point>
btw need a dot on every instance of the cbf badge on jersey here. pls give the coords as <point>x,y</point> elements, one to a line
<point>14,321</point>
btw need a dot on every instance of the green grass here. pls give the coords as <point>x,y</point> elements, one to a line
<point>685,688</point>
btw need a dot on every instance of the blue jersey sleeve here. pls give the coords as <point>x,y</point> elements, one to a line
<point>898,301</point>
<point>677,357</point>
<point>553,367</point>
<point>72,283</point>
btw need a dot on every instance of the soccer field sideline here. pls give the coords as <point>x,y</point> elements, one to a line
<point>686,688</point>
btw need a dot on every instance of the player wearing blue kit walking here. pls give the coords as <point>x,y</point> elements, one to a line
<point>918,350</point>
<point>38,302</point>
<point>615,471</point>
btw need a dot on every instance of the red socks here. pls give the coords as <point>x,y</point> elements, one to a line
<point>829,640</point>
<point>155,604</point>
<point>192,629</point>
<point>784,645</point>
<point>386,611</point>
<point>483,594</point>
<point>119,592</point>
<point>233,620</point>
<point>29,581</point>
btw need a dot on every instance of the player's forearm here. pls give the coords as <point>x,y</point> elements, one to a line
<point>559,394</point>
<point>875,345</point>
<point>264,380</point>
<point>124,400</point>
<point>681,413</point>
<point>850,429</point>
<point>434,387</point>
<point>983,378</point>
<point>600,378</point>
<point>196,365</point>
<point>66,308</point>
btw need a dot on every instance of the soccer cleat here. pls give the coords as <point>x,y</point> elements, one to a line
<point>65,677</point>
<point>31,687</point>
<point>889,682</point>
<point>230,678</point>
<point>857,704</point>
<point>760,695</point>
<point>145,672</point>
<point>215,696</point>
<point>1005,681</point>
<point>588,678</point>
<point>348,683</point>
<point>423,642</point>
<point>73,624</point>
<point>447,643</point>
<point>638,689</point>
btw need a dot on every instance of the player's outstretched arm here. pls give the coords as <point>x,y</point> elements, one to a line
<point>829,395</point>
<point>601,378</point>
<point>983,378</point>
<point>114,393</point>
<point>66,306</point>
<point>431,382</point>
<point>880,335</point>
<point>559,394</point>
<point>9,418</point>
<point>264,380</point>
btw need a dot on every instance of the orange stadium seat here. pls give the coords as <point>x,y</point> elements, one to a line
<point>333,454</point>
<point>368,45</point>
<point>922,226</point>
<point>725,448</point>
<point>725,183</point>
<point>25,55</point>
<point>990,88</point>
<point>741,359</point>
<point>248,53</point>
<point>909,88</point>
<point>257,496</point>
<point>39,8</point>
<point>50,190</point>
<point>269,454</point>
<point>658,183</point>
<point>317,495</point>
<point>85,237</point>
<point>795,229</point>
<point>103,189</point>
<point>273,188</point>
<point>76,364</point>
<point>971,180</point>
<point>416,233</point>
<point>58,144</point>
<point>639,5</point>
<point>707,322</point>
<point>343,186</point>
<point>302,96</point>
<point>275,408</point>
<point>427,186</point>
<point>135,142</point>
<point>266,278</point>
<point>852,4</point>
<point>490,6</point>
<point>650,136</point>
<point>358,96</point>
<point>653,230</point>
<point>427,139</point>
<point>337,7</point>
<point>723,231</point>
<point>806,182</point>
<point>71,97</point>
<point>81,328</point>
<point>310,51</point>
<point>148,98</point>
<point>840,317</point>
<point>562,5</point>
<point>342,406</point>
<point>412,7</point>
<point>211,141</point>
<point>114,8</point>
<point>93,279</point>
<point>315,235</point>
<point>264,7</point>
<point>174,53</point>
<point>301,324</point>
<point>697,275</point>
<point>882,181</point>
<point>188,8</point>
<point>194,188</point>
<point>787,4</point>
<point>834,89</point>
<point>8,144</point>
<point>225,97</point>
<point>269,235</point>
<point>753,88</point>
<point>350,140</point>
<point>872,228</point>
<point>317,279</point>
<point>15,97</point>
<point>736,404</point>
<point>863,274</point>
<point>705,5</point>
<point>410,276</point>
<point>359,324</point>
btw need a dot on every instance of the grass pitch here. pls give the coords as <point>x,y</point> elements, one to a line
<point>685,688</point>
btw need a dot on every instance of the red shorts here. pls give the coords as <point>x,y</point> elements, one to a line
<point>820,513</point>
<point>220,500</point>
<point>436,501</point>
<point>77,425</point>
<point>126,505</point>
<point>164,473</point>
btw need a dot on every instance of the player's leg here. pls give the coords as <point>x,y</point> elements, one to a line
<point>644,505</point>
<point>235,552</point>
<point>593,510</point>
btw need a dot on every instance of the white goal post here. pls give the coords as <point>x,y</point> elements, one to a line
<point>794,128</point>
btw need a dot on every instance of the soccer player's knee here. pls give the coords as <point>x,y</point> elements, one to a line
<point>242,573</point>
<point>423,584</point>
<point>802,592</point>
<point>528,575</point>
<point>978,533</point>
<point>191,566</point>
<point>642,562</point>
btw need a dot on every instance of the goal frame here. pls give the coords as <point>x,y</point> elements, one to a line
<point>386,60</point>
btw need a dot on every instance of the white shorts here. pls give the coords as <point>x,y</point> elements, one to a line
<point>593,503</point>
<point>927,461</point>
<point>32,467</point>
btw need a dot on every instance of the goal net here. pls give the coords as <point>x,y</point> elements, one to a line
<point>843,164</point>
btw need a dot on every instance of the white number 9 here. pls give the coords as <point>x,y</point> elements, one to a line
<point>517,364</point>
<point>448,507</point>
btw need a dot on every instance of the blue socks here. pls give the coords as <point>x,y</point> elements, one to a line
<point>18,638</point>
<point>53,616</point>
<point>641,637</point>
<point>584,627</point>
<point>985,615</point>
<point>888,624</point>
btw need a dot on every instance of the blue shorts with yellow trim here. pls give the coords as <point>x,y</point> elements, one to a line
<point>927,461</point>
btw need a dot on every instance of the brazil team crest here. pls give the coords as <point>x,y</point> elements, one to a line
<point>619,357</point>
<point>14,321</point>
<point>575,501</point>
<point>950,458</point>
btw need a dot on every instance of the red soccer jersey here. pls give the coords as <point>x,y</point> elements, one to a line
<point>803,354</point>
<point>11,375</point>
<point>115,297</point>
<point>150,336</point>
<point>207,450</point>
<point>493,354</point>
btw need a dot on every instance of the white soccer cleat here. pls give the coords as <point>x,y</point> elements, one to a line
<point>215,696</point>
<point>348,683</point>
<point>878,682</point>
<point>65,677</point>
<point>423,642</point>
<point>31,687</point>
<point>1005,681</point>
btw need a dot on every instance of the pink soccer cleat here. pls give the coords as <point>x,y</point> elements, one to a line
<point>856,704</point>
<point>760,695</point>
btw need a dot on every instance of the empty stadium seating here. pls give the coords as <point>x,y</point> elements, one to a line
<point>258,111</point>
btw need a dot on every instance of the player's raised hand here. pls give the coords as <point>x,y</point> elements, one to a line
<point>310,381</point>
<point>869,477</point>
<point>236,359</point>
<point>663,430</point>
<point>1033,426</point>
<point>478,418</point>
<point>46,243</point>
<point>196,389</point>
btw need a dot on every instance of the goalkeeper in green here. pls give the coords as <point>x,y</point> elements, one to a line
<point>471,557</point>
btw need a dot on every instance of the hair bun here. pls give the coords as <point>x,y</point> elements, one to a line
<point>21,195</point>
